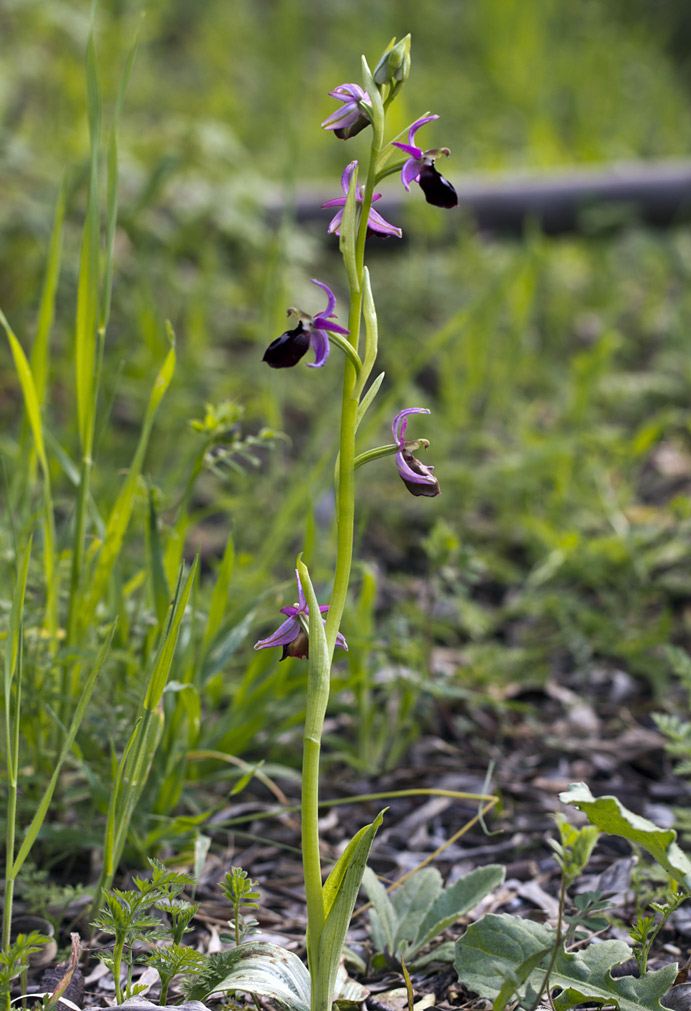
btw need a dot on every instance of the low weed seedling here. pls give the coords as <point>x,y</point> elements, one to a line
<point>14,963</point>
<point>240,891</point>
<point>130,917</point>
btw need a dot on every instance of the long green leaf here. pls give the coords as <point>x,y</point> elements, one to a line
<point>112,189</point>
<point>342,895</point>
<point>88,285</point>
<point>160,587</point>
<point>15,626</point>
<point>31,400</point>
<point>219,597</point>
<point>166,651</point>
<point>40,349</point>
<point>33,412</point>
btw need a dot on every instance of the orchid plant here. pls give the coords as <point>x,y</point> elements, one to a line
<point>311,630</point>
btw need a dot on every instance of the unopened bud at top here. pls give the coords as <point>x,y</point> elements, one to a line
<point>394,66</point>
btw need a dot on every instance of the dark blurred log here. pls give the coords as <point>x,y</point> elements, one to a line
<point>587,200</point>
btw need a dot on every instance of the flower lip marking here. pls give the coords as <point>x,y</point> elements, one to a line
<point>416,476</point>
<point>375,222</point>
<point>292,634</point>
<point>351,118</point>
<point>420,168</point>
<point>291,346</point>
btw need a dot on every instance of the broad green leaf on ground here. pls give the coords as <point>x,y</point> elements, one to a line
<point>420,909</point>
<point>610,815</point>
<point>500,948</point>
<point>260,968</point>
<point>503,954</point>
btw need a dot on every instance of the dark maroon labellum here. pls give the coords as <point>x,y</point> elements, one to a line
<point>428,488</point>
<point>346,132</point>
<point>437,189</point>
<point>299,647</point>
<point>288,349</point>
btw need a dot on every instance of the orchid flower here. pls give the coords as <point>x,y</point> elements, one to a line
<point>351,118</point>
<point>292,634</point>
<point>416,476</point>
<point>420,168</point>
<point>289,348</point>
<point>375,222</point>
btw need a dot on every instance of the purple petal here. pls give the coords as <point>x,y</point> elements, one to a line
<point>416,126</point>
<point>410,172</point>
<point>347,176</point>
<point>378,224</point>
<point>321,347</point>
<point>335,224</point>
<point>322,322</point>
<point>349,93</point>
<point>331,298</point>
<point>336,202</point>
<point>401,420</point>
<point>340,641</point>
<point>423,475</point>
<point>341,118</point>
<point>414,152</point>
<point>291,610</point>
<point>284,634</point>
<point>302,603</point>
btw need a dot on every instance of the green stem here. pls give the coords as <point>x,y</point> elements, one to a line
<point>117,967</point>
<point>345,490</point>
<point>374,454</point>
<point>319,678</point>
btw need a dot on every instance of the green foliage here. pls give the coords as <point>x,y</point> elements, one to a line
<point>610,815</point>
<point>503,957</point>
<point>240,891</point>
<point>175,959</point>
<point>409,920</point>
<point>14,961</point>
<point>647,927</point>
<point>574,848</point>
<point>129,916</point>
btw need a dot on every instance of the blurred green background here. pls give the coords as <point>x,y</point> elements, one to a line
<point>557,370</point>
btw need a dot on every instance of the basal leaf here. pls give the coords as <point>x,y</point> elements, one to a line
<point>260,968</point>
<point>453,902</point>
<point>341,907</point>
<point>503,954</point>
<point>382,915</point>
<point>499,947</point>
<point>610,815</point>
<point>586,976</point>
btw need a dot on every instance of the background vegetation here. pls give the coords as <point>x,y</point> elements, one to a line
<point>557,372</point>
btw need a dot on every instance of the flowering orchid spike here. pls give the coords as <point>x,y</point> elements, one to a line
<point>289,348</point>
<point>420,168</point>
<point>351,118</point>
<point>292,634</point>
<point>376,225</point>
<point>416,476</point>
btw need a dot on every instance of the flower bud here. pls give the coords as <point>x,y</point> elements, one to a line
<point>394,66</point>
